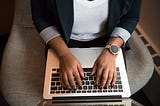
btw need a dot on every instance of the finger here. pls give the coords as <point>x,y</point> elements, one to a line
<point>78,78</point>
<point>65,80</point>
<point>114,78</point>
<point>80,69</point>
<point>98,76</point>
<point>94,69</point>
<point>61,80</point>
<point>110,77</point>
<point>104,78</point>
<point>71,79</point>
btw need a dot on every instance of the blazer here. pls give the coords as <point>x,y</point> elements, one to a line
<point>59,13</point>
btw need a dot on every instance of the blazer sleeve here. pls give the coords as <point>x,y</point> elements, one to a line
<point>131,18</point>
<point>43,19</point>
<point>41,15</point>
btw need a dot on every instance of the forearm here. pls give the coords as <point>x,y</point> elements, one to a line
<point>59,46</point>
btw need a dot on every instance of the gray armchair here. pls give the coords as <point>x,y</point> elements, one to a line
<point>23,64</point>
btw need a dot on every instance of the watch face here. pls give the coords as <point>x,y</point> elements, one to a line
<point>114,49</point>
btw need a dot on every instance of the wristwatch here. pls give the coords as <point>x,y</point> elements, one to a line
<point>113,48</point>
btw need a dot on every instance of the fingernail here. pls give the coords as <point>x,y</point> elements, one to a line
<point>101,87</point>
<point>107,86</point>
<point>75,88</point>
<point>112,86</point>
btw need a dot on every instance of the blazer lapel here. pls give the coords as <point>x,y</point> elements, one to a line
<point>65,14</point>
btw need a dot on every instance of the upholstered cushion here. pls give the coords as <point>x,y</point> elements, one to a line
<point>23,65</point>
<point>139,63</point>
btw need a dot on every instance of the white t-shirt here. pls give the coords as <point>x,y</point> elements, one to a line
<point>89,19</point>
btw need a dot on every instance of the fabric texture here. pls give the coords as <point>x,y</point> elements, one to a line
<point>23,64</point>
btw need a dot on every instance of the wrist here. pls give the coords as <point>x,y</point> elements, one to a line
<point>112,48</point>
<point>64,54</point>
<point>59,46</point>
<point>116,40</point>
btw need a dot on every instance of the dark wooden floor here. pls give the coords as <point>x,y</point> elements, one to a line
<point>3,40</point>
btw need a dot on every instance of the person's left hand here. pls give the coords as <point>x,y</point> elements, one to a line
<point>105,69</point>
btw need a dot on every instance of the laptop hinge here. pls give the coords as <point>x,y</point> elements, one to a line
<point>71,99</point>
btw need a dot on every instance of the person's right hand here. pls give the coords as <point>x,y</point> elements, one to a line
<point>70,68</point>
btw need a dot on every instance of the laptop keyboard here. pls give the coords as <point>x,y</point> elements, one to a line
<point>87,84</point>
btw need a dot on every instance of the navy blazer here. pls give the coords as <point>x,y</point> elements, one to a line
<point>59,13</point>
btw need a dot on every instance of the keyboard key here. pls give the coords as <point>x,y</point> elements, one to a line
<point>92,82</point>
<point>94,91</point>
<point>115,87</point>
<point>120,90</point>
<point>58,83</point>
<point>109,90</point>
<point>53,69</point>
<point>83,91</point>
<point>117,69</point>
<point>89,91</point>
<point>114,90</point>
<point>78,91</point>
<point>84,87</point>
<point>58,70</point>
<point>55,79</point>
<point>105,90</point>
<point>87,74</point>
<point>89,87</point>
<point>91,78</point>
<point>100,90</point>
<point>53,83</point>
<point>62,91</point>
<point>55,75</point>
<point>118,82</point>
<point>53,88</point>
<point>60,88</point>
<point>120,86</point>
<point>52,92</point>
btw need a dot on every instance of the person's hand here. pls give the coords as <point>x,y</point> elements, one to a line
<point>70,68</point>
<point>105,69</point>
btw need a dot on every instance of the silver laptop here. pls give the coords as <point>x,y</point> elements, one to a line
<point>86,56</point>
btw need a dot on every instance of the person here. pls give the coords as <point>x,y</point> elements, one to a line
<point>86,23</point>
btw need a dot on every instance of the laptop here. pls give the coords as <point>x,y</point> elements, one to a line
<point>53,90</point>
